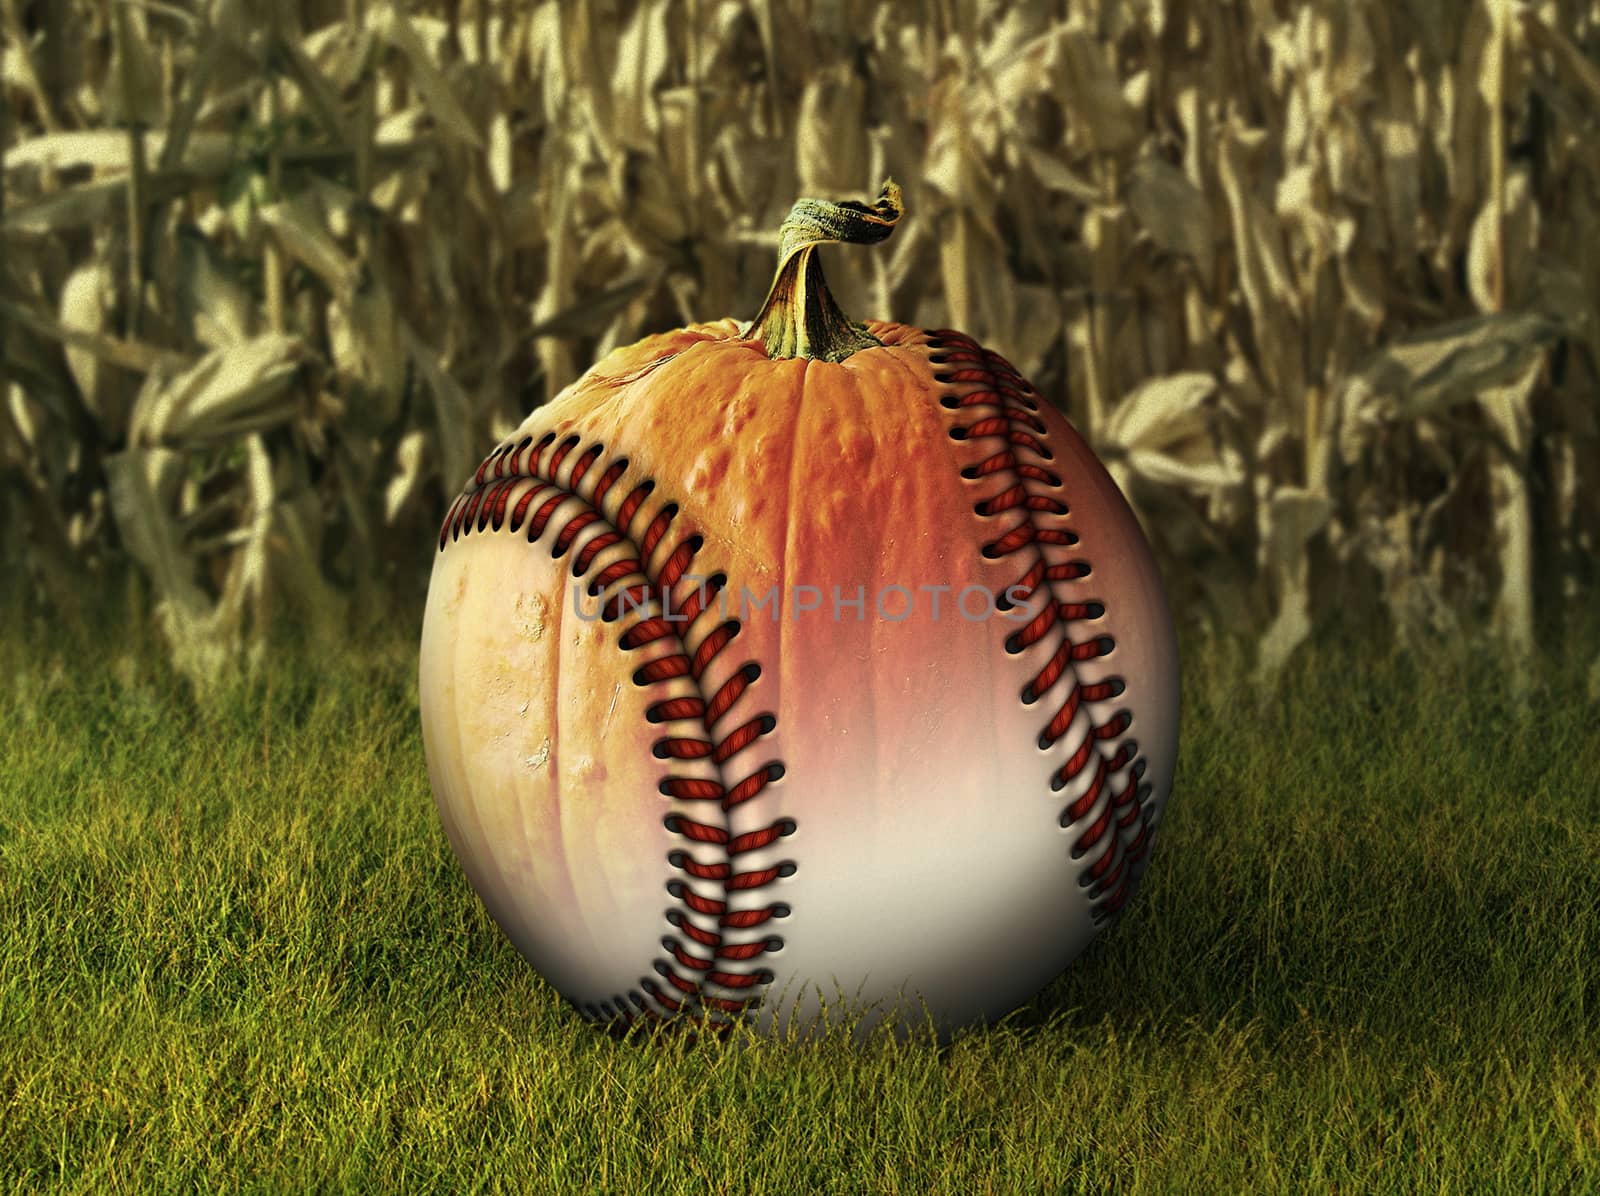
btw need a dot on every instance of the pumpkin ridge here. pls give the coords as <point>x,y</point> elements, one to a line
<point>1111,878</point>
<point>486,502</point>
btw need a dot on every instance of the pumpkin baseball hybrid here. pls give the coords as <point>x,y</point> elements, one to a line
<point>798,667</point>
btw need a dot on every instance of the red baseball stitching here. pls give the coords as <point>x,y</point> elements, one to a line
<point>1009,413</point>
<point>483,504</point>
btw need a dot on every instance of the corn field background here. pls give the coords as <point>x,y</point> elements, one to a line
<point>1319,281</point>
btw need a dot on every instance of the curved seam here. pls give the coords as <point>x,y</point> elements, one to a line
<point>483,503</point>
<point>1113,874</point>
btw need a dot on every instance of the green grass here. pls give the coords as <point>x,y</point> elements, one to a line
<point>237,955</point>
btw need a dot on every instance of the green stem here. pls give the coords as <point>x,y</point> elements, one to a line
<point>799,317</point>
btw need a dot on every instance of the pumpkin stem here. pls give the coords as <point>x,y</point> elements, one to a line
<point>799,317</point>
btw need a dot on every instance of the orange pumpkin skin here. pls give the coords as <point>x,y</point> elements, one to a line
<point>762,818</point>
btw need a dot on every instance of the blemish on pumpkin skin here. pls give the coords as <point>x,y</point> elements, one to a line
<point>458,591</point>
<point>709,470</point>
<point>611,711</point>
<point>738,413</point>
<point>540,758</point>
<point>531,615</point>
<point>498,686</point>
<point>857,448</point>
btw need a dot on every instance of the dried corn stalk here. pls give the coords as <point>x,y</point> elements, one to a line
<point>1321,281</point>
